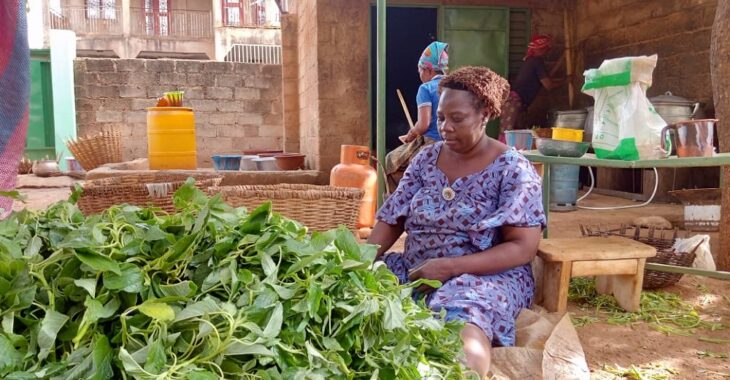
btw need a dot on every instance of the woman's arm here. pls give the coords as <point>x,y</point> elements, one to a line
<point>421,126</point>
<point>385,235</point>
<point>518,247</point>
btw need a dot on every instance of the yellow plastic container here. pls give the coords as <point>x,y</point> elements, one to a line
<point>566,134</point>
<point>171,138</point>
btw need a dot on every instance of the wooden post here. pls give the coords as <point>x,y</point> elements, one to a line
<point>720,70</point>
<point>568,26</point>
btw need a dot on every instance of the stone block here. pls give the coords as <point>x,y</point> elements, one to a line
<point>229,80</point>
<point>160,66</point>
<point>109,116</point>
<point>80,92</point>
<point>230,106</point>
<point>246,69</point>
<point>187,66</point>
<point>132,91</point>
<point>206,130</point>
<point>223,118</point>
<point>141,104</point>
<point>218,93</point>
<point>99,92</point>
<point>85,117</point>
<point>243,93</point>
<point>250,118</point>
<point>100,65</point>
<point>271,71</point>
<point>204,105</point>
<point>145,78</point>
<point>83,104</point>
<point>135,117</point>
<point>130,65</point>
<point>194,93</point>
<point>154,92</point>
<point>272,119</point>
<point>173,79</point>
<point>256,106</point>
<point>217,67</point>
<point>117,104</point>
<point>114,78</point>
<point>202,79</point>
<point>259,82</point>
<point>271,131</point>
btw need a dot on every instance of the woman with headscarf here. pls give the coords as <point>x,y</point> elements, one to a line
<point>472,211</point>
<point>531,78</point>
<point>432,65</point>
<point>14,94</point>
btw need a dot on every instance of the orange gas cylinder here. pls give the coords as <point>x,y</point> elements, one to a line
<point>354,170</point>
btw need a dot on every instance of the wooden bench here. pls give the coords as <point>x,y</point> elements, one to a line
<point>617,262</point>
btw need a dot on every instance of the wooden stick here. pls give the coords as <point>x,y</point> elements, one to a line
<point>405,108</point>
<point>568,55</point>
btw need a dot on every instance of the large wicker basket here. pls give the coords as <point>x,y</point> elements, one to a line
<point>144,190</point>
<point>666,254</point>
<point>319,208</point>
<point>96,150</point>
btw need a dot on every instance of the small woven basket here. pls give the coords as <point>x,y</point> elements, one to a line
<point>666,254</point>
<point>96,150</point>
<point>144,190</point>
<point>320,208</point>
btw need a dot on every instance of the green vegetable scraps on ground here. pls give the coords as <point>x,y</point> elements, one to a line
<point>643,372</point>
<point>665,312</point>
<point>712,355</point>
<point>209,292</point>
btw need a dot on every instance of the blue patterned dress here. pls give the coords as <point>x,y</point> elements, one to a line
<point>506,193</point>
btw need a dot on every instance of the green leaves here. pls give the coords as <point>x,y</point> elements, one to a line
<point>208,292</point>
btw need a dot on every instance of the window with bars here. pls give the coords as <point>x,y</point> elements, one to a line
<point>101,9</point>
<point>157,17</point>
<point>233,12</point>
<point>244,12</point>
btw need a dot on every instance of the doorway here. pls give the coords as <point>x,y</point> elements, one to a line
<point>410,30</point>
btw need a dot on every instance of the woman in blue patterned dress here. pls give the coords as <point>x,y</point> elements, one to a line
<point>472,211</point>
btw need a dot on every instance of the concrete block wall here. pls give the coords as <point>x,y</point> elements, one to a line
<point>237,106</point>
<point>677,30</point>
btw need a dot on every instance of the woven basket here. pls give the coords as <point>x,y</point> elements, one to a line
<point>666,254</point>
<point>96,150</point>
<point>142,190</point>
<point>320,208</point>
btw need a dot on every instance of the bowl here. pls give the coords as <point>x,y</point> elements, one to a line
<point>266,164</point>
<point>227,162</point>
<point>290,161</point>
<point>248,164</point>
<point>519,139</point>
<point>558,148</point>
<point>262,153</point>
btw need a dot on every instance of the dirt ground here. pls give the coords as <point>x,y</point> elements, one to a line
<point>604,344</point>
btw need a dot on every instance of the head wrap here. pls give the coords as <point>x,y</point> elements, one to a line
<point>435,56</point>
<point>537,43</point>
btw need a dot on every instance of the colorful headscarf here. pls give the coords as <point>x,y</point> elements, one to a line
<point>14,92</point>
<point>435,56</point>
<point>538,42</point>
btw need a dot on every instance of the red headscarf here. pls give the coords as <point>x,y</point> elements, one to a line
<point>537,43</point>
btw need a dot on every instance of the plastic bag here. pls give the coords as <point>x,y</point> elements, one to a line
<point>625,124</point>
<point>703,255</point>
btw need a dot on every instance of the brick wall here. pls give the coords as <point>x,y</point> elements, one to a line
<point>677,30</point>
<point>237,106</point>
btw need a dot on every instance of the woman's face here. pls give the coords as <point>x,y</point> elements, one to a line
<point>425,74</point>
<point>460,123</point>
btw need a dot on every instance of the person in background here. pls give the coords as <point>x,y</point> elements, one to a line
<point>472,211</point>
<point>532,77</point>
<point>14,94</point>
<point>432,65</point>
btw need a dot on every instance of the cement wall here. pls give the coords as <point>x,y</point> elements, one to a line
<point>237,106</point>
<point>677,30</point>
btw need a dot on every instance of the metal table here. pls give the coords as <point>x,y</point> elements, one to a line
<point>722,159</point>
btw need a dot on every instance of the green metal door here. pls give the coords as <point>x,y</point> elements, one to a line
<point>478,36</point>
<point>40,141</point>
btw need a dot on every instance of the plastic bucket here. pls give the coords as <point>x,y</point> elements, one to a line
<point>171,138</point>
<point>520,139</point>
<point>564,184</point>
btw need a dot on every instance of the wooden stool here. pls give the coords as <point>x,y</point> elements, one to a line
<point>617,262</point>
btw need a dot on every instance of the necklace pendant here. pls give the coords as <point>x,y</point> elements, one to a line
<point>448,193</point>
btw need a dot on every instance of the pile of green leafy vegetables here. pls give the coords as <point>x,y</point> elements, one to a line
<point>206,293</point>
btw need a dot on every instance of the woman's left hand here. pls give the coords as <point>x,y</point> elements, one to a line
<point>439,269</point>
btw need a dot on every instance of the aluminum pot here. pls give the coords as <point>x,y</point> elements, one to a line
<point>45,168</point>
<point>674,109</point>
<point>568,119</point>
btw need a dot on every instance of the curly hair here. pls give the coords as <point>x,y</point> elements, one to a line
<point>489,89</point>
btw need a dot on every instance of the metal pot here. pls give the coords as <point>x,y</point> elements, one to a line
<point>45,168</point>
<point>568,119</point>
<point>674,109</point>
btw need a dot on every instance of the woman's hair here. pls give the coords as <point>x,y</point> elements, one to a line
<point>488,88</point>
